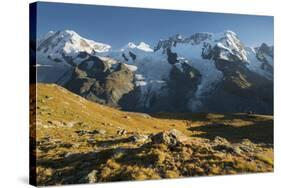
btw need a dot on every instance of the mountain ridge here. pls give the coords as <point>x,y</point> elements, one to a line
<point>201,63</point>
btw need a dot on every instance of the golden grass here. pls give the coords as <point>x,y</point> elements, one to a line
<point>60,114</point>
<point>266,157</point>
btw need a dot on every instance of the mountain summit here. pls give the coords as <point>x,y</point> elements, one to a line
<point>141,46</point>
<point>181,73</point>
<point>65,45</point>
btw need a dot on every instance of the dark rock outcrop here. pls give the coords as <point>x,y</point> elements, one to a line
<point>95,80</point>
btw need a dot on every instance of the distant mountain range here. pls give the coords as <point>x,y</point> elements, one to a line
<point>203,72</point>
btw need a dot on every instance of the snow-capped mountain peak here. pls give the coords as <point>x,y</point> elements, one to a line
<point>47,35</point>
<point>200,63</point>
<point>145,47</point>
<point>67,43</point>
<point>230,46</point>
<point>141,46</point>
<point>131,45</point>
<point>227,45</point>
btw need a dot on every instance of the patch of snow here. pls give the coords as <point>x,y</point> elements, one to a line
<point>210,75</point>
<point>255,65</point>
<point>139,77</point>
<point>179,66</point>
<point>131,45</point>
<point>145,47</point>
<point>149,90</point>
<point>151,69</point>
<point>141,46</point>
<point>192,55</point>
<point>111,62</point>
<point>140,83</point>
<point>231,44</point>
<point>152,65</point>
<point>40,65</point>
<point>132,68</point>
<point>269,59</point>
<point>49,71</point>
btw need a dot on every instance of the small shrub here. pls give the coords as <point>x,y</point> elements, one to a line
<point>112,164</point>
<point>139,173</point>
<point>245,166</point>
<point>171,174</point>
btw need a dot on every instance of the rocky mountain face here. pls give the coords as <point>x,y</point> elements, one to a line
<point>96,80</point>
<point>264,53</point>
<point>203,72</point>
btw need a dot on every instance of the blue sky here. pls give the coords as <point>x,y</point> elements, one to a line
<point>118,26</point>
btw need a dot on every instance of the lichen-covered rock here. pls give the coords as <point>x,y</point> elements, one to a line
<point>220,140</point>
<point>122,132</point>
<point>171,138</point>
<point>97,131</point>
<point>139,138</point>
<point>92,177</point>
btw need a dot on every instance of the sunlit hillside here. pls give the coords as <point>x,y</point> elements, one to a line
<point>79,141</point>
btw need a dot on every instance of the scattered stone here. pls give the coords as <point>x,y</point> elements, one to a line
<point>76,145</point>
<point>45,126</point>
<point>237,150</point>
<point>48,97</point>
<point>199,170</point>
<point>220,140</point>
<point>68,154</point>
<point>65,145</point>
<point>146,116</point>
<point>118,152</point>
<point>171,138</point>
<point>247,142</point>
<point>138,138</point>
<point>97,131</point>
<point>247,146</point>
<point>127,117</point>
<point>91,141</point>
<point>81,132</point>
<point>188,123</point>
<point>46,138</point>
<point>92,176</point>
<point>122,132</point>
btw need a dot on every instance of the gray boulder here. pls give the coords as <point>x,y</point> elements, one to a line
<point>171,138</point>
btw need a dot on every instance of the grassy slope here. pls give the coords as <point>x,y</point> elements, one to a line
<point>57,104</point>
<point>60,150</point>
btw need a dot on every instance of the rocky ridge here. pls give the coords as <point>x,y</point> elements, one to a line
<point>192,71</point>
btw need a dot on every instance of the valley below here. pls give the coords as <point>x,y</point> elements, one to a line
<point>75,140</point>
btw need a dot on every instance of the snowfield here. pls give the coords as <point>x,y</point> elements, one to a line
<point>58,51</point>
